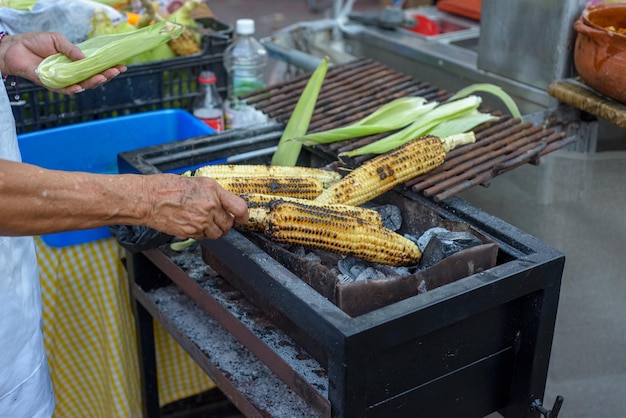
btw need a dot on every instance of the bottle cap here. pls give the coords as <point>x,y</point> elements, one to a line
<point>207,77</point>
<point>245,26</point>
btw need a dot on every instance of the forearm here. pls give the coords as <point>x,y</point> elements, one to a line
<point>38,201</point>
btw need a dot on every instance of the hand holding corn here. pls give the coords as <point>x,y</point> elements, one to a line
<point>59,71</point>
<point>20,55</point>
<point>195,208</point>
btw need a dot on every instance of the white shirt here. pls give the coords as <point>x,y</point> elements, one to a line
<point>25,387</point>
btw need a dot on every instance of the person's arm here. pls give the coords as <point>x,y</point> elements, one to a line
<point>21,54</point>
<point>38,201</point>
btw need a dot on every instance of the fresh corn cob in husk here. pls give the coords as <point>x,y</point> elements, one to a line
<point>325,227</point>
<point>384,172</point>
<point>326,177</point>
<point>101,24</point>
<point>185,44</point>
<point>103,52</point>
<point>302,187</point>
<point>259,205</point>
<point>190,42</point>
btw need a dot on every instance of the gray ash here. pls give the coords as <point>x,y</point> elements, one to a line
<point>190,261</point>
<point>243,370</point>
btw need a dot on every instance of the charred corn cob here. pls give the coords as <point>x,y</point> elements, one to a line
<point>303,187</point>
<point>386,171</point>
<point>326,177</point>
<point>327,228</point>
<point>259,205</point>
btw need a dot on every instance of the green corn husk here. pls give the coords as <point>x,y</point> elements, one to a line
<point>288,150</point>
<point>182,245</point>
<point>25,5</point>
<point>101,24</point>
<point>103,52</point>
<point>462,124</point>
<point>492,89</point>
<point>182,15</point>
<point>160,53</point>
<point>389,117</point>
<point>421,126</point>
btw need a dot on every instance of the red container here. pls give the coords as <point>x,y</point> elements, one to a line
<point>466,8</point>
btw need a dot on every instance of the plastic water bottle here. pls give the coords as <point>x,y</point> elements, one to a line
<point>245,61</point>
<point>208,106</point>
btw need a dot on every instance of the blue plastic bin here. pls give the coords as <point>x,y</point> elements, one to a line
<point>93,147</point>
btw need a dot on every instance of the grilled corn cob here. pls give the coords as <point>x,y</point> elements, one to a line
<point>303,187</point>
<point>386,171</point>
<point>326,177</point>
<point>259,205</point>
<point>327,228</point>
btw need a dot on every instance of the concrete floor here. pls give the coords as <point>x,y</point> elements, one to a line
<point>573,201</point>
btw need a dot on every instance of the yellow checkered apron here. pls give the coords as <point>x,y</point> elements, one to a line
<point>90,337</point>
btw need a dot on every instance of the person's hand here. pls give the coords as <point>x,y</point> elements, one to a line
<point>21,54</point>
<point>192,207</point>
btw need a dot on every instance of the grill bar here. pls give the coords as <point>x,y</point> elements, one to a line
<point>352,91</point>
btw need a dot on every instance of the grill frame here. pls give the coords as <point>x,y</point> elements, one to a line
<point>524,289</point>
<point>520,294</point>
<point>519,297</point>
<point>512,306</point>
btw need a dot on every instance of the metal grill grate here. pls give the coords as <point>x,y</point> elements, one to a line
<point>353,90</point>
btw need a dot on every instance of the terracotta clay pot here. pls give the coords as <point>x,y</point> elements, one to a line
<point>599,54</point>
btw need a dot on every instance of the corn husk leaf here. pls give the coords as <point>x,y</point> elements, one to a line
<point>182,15</point>
<point>462,124</point>
<point>288,150</point>
<point>389,117</point>
<point>103,52</point>
<point>161,52</point>
<point>182,245</point>
<point>420,127</point>
<point>491,89</point>
<point>101,24</point>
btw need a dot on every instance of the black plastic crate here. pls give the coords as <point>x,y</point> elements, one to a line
<point>157,85</point>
